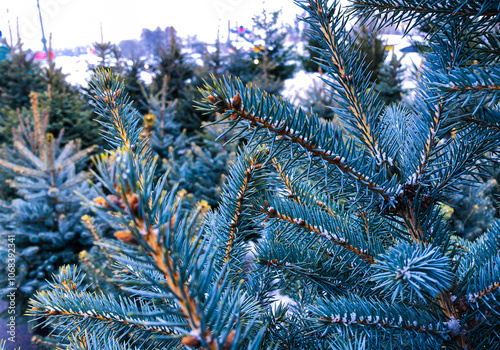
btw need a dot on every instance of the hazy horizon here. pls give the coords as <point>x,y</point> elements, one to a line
<point>78,23</point>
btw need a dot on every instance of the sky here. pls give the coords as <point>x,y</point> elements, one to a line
<point>78,22</point>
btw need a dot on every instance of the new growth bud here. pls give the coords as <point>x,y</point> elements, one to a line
<point>237,102</point>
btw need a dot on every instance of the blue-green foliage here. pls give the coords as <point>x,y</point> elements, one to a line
<point>473,209</point>
<point>44,222</point>
<point>408,269</point>
<point>390,80</point>
<point>195,162</point>
<point>326,236</point>
<point>165,264</point>
<point>200,166</point>
<point>407,281</point>
<point>270,62</point>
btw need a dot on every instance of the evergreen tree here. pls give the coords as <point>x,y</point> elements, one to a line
<point>18,78</point>
<point>199,167</point>
<point>319,100</point>
<point>272,59</point>
<point>389,81</point>
<point>195,163</point>
<point>69,111</point>
<point>171,63</point>
<point>345,222</point>
<point>370,46</point>
<point>239,64</point>
<point>474,208</point>
<point>386,76</point>
<point>213,62</point>
<point>310,60</point>
<point>109,56</point>
<point>134,84</point>
<point>43,224</point>
<point>269,64</point>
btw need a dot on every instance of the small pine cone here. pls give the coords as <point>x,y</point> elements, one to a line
<point>237,102</point>
<point>228,344</point>
<point>100,201</point>
<point>191,341</point>
<point>212,99</point>
<point>109,199</point>
<point>125,237</point>
<point>133,202</point>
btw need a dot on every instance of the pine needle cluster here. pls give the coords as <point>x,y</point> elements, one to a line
<point>43,222</point>
<point>326,236</point>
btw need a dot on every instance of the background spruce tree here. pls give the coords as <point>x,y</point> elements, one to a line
<point>18,78</point>
<point>214,63</point>
<point>172,63</point>
<point>201,165</point>
<point>372,47</point>
<point>195,162</point>
<point>69,110</point>
<point>134,84</point>
<point>389,81</point>
<point>325,236</point>
<point>270,62</point>
<point>385,75</point>
<point>274,59</point>
<point>45,219</point>
<point>70,113</point>
<point>109,57</point>
<point>239,64</point>
<point>473,208</point>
